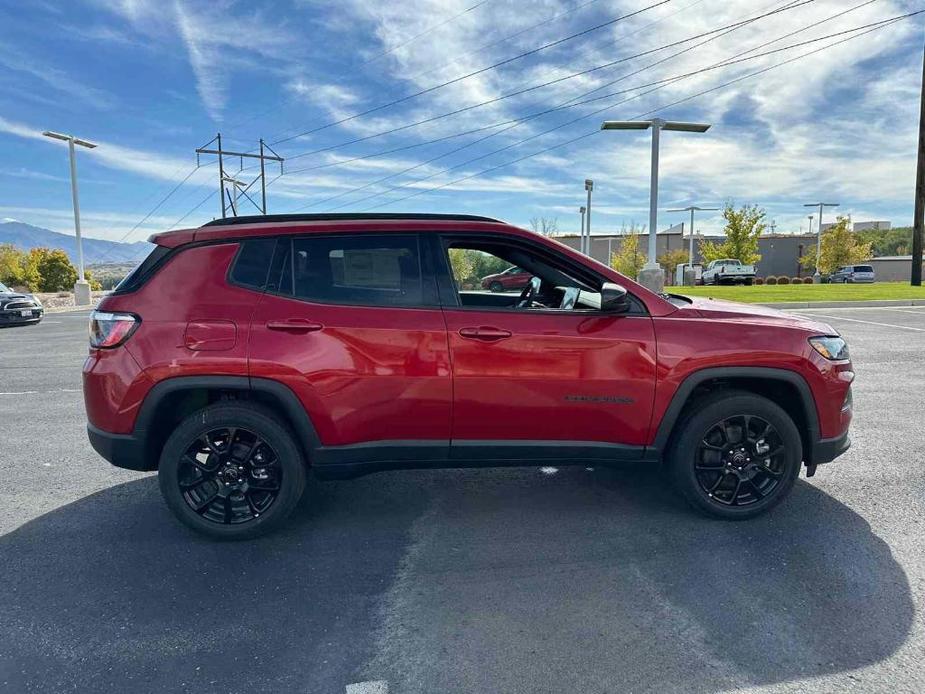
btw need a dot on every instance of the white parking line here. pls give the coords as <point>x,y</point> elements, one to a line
<point>870,322</point>
<point>377,687</point>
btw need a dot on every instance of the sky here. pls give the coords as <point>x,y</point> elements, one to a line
<point>152,80</point>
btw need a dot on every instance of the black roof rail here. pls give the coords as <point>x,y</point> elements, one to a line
<point>346,217</point>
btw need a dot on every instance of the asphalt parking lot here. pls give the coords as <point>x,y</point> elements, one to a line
<point>512,580</point>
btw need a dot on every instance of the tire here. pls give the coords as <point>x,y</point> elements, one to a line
<point>232,440</point>
<point>749,283</point>
<point>496,287</point>
<point>762,483</point>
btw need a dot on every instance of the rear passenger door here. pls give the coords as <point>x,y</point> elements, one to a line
<point>351,324</point>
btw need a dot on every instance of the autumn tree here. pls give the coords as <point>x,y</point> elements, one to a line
<point>840,246</point>
<point>669,260</point>
<point>743,227</point>
<point>55,269</point>
<point>630,258</point>
<point>16,270</point>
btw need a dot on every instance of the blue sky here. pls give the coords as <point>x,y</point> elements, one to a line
<point>150,80</point>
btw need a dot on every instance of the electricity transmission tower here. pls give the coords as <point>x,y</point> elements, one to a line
<point>230,187</point>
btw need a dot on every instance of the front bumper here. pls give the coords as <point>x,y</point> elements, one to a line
<point>15,316</point>
<point>827,450</point>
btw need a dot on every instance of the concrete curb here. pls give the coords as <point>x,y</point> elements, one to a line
<point>878,303</point>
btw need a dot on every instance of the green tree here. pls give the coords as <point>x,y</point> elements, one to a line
<point>630,258</point>
<point>16,270</point>
<point>55,269</point>
<point>462,263</point>
<point>669,260</point>
<point>743,227</point>
<point>840,246</point>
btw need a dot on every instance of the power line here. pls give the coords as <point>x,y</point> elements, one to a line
<point>201,203</point>
<point>426,31</point>
<point>878,27</point>
<point>513,36</point>
<point>480,71</point>
<point>569,103</point>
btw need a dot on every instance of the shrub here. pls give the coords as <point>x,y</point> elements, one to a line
<point>807,280</point>
<point>796,280</point>
<point>771,280</point>
<point>783,280</point>
<point>759,280</point>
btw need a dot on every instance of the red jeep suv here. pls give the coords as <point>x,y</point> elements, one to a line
<point>244,352</point>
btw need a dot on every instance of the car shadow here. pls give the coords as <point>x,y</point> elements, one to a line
<point>109,593</point>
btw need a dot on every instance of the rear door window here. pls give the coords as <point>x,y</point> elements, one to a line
<point>359,270</point>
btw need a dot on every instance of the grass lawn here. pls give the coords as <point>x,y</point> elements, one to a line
<point>806,292</point>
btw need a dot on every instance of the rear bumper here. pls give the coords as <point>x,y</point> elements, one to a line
<point>122,450</point>
<point>827,450</point>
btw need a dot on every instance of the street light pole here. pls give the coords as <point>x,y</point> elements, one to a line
<point>581,234</point>
<point>690,257</point>
<point>817,277</point>
<point>589,186</point>
<point>652,277</point>
<point>82,288</point>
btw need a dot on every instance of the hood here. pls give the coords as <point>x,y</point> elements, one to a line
<point>752,313</point>
<point>9,296</point>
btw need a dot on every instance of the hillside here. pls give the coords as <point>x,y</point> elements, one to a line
<point>27,237</point>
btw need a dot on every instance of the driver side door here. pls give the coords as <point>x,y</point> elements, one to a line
<point>541,382</point>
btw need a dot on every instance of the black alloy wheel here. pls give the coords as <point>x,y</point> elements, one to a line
<point>740,460</point>
<point>232,471</point>
<point>229,475</point>
<point>734,454</point>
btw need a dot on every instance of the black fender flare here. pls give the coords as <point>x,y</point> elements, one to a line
<point>697,378</point>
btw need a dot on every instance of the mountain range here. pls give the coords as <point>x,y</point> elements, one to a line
<point>26,237</point>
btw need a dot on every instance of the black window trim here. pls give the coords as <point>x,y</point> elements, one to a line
<point>449,295</point>
<point>428,289</point>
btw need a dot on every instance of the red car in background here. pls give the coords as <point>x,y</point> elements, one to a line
<point>512,278</point>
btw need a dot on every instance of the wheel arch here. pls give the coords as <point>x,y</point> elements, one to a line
<point>787,389</point>
<point>172,400</point>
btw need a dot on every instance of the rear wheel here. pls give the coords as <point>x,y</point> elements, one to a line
<point>735,456</point>
<point>231,471</point>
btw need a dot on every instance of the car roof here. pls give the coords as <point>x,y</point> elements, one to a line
<point>265,225</point>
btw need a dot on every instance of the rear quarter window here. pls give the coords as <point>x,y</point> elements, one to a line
<point>252,263</point>
<point>137,277</point>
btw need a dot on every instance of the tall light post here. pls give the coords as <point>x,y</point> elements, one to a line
<point>82,288</point>
<point>817,277</point>
<point>690,257</point>
<point>652,276</point>
<point>581,234</point>
<point>589,186</point>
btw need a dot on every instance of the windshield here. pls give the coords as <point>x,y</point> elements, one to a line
<point>3,288</point>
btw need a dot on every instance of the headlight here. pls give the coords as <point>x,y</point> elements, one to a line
<point>834,348</point>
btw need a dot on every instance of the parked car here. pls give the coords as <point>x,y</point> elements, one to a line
<point>851,274</point>
<point>341,343</point>
<point>19,309</point>
<point>511,279</point>
<point>728,271</point>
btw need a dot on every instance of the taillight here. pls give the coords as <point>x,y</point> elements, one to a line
<point>109,330</point>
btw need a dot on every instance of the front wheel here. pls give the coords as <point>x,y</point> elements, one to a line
<point>231,471</point>
<point>496,287</point>
<point>735,456</point>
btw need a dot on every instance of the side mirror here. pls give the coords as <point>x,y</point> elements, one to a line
<point>614,298</point>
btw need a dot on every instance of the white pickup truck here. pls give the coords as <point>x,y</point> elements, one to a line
<point>728,271</point>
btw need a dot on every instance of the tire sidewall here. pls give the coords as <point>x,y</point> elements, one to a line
<point>243,416</point>
<point>706,414</point>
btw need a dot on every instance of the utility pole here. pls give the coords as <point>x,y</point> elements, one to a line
<point>232,187</point>
<point>82,287</point>
<point>917,227</point>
